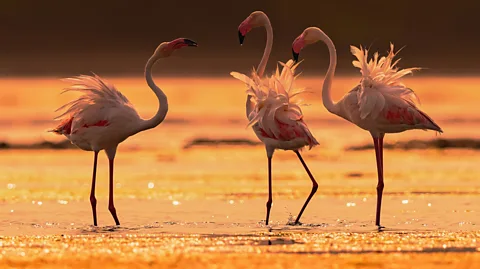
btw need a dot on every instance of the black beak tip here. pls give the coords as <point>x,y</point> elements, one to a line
<point>190,42</point>
<point>295,56</point>
<point>240,37</point>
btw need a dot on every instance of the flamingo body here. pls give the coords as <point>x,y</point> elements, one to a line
<point>380,103</point>
<point>396,116</point>
<point>293,136</point>
<point>101,118</point>
<point>276,117</point>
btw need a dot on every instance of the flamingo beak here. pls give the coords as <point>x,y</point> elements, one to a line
<point>295,55</point>
<point>297,46</point>
<point>190,42</point>
<point>241,37</point>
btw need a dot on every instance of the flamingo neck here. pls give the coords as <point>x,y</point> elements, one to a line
<point>268,47</point>
<point>263,62</point>
<point>162,98</point>
<point>327,83</point>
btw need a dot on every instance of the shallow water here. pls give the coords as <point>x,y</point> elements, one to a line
<point>181,205</point>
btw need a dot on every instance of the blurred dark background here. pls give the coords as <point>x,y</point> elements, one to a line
<point>116,37</point>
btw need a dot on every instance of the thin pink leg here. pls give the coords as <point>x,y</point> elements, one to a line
<point>269,202</point>
<point>314,187</point>
<point>111,206</point>
<point>93,200</point>
<point>378,143</point>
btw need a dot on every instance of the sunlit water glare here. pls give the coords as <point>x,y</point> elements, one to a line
<point>167,188</point>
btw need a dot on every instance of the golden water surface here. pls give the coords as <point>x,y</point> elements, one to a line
<point>204,206</point>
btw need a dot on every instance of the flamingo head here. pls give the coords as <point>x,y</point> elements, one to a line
<point>167,48</point>
<point>309,36</point>
<point>255,19</point>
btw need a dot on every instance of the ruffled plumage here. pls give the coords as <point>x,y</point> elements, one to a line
<point>99,101</point>
<point>380,77</point>
<point>275,105</point>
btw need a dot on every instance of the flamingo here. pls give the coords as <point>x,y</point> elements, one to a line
<point>102,117</point>
<point>380,103</point>
<point>274,115</point>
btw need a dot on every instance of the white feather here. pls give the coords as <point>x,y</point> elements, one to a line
<point>380,77</point>
<point>273,97</point>
<point>99,101</point>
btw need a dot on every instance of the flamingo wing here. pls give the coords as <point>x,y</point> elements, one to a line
<point>382,102</point>
<point>380,80</point>
<point>289,131</point>
<point>100,105</point>
<point>405,115</point>
<point>277,113</point>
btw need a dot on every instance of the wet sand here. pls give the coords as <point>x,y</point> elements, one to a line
<point>247,260</point>
<point>422,231</point>
<point>270,249</point>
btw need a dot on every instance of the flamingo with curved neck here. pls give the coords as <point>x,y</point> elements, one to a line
<point>277,132</point>
<point>103,117</point>
<point>379,104</point>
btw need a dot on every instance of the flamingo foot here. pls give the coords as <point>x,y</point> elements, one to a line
<point>294,223</point>
<point>113,211</point>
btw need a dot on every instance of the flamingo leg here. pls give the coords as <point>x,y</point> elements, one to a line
<point>93,200</point>
<point>269,202</point>
<point>378,143</point>
<point>111,206</point>
<point>314,186</point>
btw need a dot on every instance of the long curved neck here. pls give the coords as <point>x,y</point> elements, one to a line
<point>268,47</point>
<point>162,98</point>
<point>327,83</point>
<point>263,62</point>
